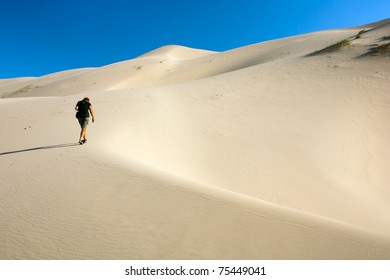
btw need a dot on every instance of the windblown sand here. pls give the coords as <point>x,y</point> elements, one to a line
<point>278,150</point>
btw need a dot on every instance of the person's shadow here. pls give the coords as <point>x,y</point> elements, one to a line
<point>40,148</point>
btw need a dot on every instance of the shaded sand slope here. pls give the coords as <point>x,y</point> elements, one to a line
<point>264,152</point>
<point>141,213</point>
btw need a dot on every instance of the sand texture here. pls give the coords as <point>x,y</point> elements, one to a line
<point>278,150</point>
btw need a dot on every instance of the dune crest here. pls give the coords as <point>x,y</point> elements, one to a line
<point>176,52</point>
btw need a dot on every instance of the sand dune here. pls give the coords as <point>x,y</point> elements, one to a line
<point>277,150</point>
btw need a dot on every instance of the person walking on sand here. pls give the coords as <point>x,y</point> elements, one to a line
<point>83,108</point>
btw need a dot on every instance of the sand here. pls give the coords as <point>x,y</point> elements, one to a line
<point>278,150</point>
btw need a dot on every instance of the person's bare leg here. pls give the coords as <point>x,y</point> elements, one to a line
<point>83,134</point>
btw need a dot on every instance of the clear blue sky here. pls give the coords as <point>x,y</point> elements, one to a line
<point>39,37</point>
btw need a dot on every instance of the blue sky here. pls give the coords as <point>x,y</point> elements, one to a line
<point>39,37</point>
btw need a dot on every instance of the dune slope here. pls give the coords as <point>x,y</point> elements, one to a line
<point>277,150</point>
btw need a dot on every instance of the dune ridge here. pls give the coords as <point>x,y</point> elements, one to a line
<point>262,152</point>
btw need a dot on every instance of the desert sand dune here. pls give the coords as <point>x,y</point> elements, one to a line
<point>277,150</point>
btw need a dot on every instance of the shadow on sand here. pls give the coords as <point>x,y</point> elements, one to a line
<point>40,148</point>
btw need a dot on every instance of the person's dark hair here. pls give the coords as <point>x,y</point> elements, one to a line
<point>86,99</point>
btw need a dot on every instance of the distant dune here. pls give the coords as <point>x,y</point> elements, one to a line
<point>277,150</point>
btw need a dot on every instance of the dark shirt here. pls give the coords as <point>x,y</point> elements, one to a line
<point>83,109</point>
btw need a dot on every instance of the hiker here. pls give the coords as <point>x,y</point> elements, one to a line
<point>83,109</point>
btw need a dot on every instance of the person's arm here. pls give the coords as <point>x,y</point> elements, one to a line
<point>92,114</point>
